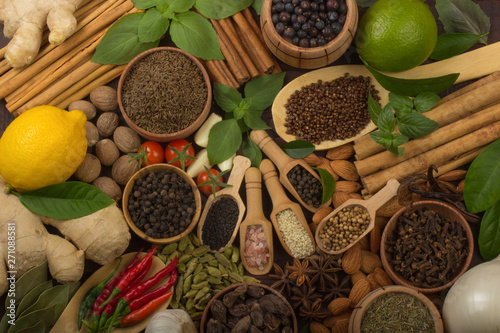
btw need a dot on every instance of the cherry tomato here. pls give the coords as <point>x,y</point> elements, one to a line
<point>203,177</point>
<point>179,145</point>
<point>154,153</point>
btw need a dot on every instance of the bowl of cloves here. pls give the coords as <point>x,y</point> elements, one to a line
<point>427,246</point>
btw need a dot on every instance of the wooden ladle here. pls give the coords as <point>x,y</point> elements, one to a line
<point>371,205</point>
<point>240,165</point>
<point>255,217</point>
<point>284,164</point>
<point>281,203</point>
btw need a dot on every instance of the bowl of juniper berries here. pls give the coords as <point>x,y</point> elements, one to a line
<point>161,203</point>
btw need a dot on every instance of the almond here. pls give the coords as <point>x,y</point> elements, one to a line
<point>316,327</point>
<point>372,279</point>
<point>321,214</point>
<point>347,186</point>
<point>375,236</point>
<point>382,277</point>
<point>343,152</point>
<point>312,159</point>
<point>339,306</point>
<point>345,169</point>
<point>369,261</point>
<point>453,175</point>
<point>342,326</point>
<point>364,243</point>
<point>351,260</point>
<point>359,291</point>
<point>339,198</point>
<point>336,321</point>
<point>447,185</point>
<point>325,164</point>
<point>356,196</point>
<point>358,275</point>
<point>460,186</point>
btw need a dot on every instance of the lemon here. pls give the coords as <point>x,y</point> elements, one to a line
<point>396,35</point>
<point>41,147</point>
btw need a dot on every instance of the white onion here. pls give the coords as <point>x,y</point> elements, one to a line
<point>171,321</point>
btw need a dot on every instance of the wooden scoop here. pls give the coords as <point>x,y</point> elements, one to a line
<point>281,202</point>
<point>284,164</point>
<point>471,65</point>
<point>240,165</point>
<point>371,205</point>
<point>255,217</point>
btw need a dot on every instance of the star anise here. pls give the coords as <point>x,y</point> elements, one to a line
<point>283,280</point>
<point>303,294</point>
<point>299,271</point>
<point>323,268</point>
<point>339,288</point>
<point>313,311</point>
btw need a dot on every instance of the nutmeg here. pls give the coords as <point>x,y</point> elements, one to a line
<point>107,123</point>
<point>92,134</point>
<point>104,98</point>
<point>89,169</point>
<point>108,186</point>
<point>122,170</point>
<point>107,152</point>
<point>126,139</point>
<point>85,106</point>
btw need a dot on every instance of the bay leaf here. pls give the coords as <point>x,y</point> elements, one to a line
<point>37,328</point>
<point>32,296</point>
<point>489,233</point>
<point>31,319</point>
<point>29,280</point>
<point>298,148</point>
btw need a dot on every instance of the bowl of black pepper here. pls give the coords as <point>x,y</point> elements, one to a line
<point>308,33</point>
<point>161,203</point>
<point>427,246</point>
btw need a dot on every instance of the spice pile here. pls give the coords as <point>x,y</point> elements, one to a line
<point>294,234</point>
<point>220,223</point>
<point>307,186</point>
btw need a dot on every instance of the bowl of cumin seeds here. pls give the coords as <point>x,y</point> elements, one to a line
<point>164,94</point>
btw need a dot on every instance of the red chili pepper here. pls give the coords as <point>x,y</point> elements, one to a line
<point>141,313</point>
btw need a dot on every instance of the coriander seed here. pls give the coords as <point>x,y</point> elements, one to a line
<point>344,227</point>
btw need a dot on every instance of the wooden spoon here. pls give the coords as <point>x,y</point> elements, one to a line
<point>240,165</point>
<point>281,202</point>
<point>471,65</point>
<point>284,164</point>
<point>371,205</point>
<point>255,217</point>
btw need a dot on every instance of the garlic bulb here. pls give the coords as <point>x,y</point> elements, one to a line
<point>171,321</point>
<point>472,304</point>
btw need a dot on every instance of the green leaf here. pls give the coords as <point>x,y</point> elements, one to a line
<point>257,5</point>
<point>224,140</point>
<point>415,125</point>
<point>390,141</point>
<point>398,151</point>
<point>383,138</point>
<point>29,280</point>
<point>264,89</point>
<point>252,151</point>
<point>402,104</point>
<point>162,5</point>
<point>33,318</point>
<point>449,45</point>
<point>65,201</point>
<point>374,109</point>
<point>386,121</point>
<point>253,119</point>
<point>143,4</point>
<point>425,101</point>
<point>37,328</point>
<point>180,6</point>
<point>463,16</point>
<point>328,184</point>
<point>221,8</point>
<point>242,109</point>
<point>227,97</point>
<point>153,26</point>
<point>483,177</point>
<point>32,296</point>
<point>413,87</point>
<point>398,139</point>
<point>121,43</point>
<point>489,233</point>
<point>195,35</point>
<point>298,148</point>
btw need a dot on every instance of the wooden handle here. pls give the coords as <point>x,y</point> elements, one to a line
<point>272,181</point>
<point>240,165</point>
<point>382,196</point>
<point>253,182</point>
<point>270,148</point>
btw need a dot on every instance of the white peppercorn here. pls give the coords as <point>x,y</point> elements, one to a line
<point>294,234</point>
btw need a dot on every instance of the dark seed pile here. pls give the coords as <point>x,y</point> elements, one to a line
<point>220,223</point>
<point>309,23</point>
<point>162,205</point>
<point>307,186</point>
<point>330,110</point>
<point>164,92</point>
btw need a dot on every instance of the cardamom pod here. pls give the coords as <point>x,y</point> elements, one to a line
<point>198,268</point>
<point>228,251</point>
<point>223,269</point>
<point>241,269</point>
<point>214,263</point>
<point>191,266</point>
<point>223,260</point>
<point>200,277</point>
<point>226,283</point>
<point>181,268</point>
<point>206,258</point>
<point>197,315</point>
<point>168,249</point>
<point>201,293</point>
<point>201,251</point>
<point>174,304</point>
<point>235,257</point>
<point>191,293</point>
<point>214,272</point>
<point>184,258</point>
<point>213,280</point>
<point>188,281</point>
<point>178,290</point>
<point>189,249</point>
<point>235,277</point>
<point>172,256</point>
<point>183,243</point>
<point>194,239</point>
<point>247,278</point>
<point>234,268</point>
<point>200,285</point>
<point>189,304</point>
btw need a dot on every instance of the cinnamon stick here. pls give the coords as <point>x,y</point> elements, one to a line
<point>215,73</point>
<point>470,87</point>
<point>221,65</point>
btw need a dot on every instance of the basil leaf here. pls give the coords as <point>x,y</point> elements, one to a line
<point>264,89</point>
<point>257,5</point>
<point>161,5</point>
<point>398,151</point>
<point>415,125</point>
<point>383,138</point>
<point>386,120</point>
<point>449,45</point>
<point>482,179</point>
<point>253,119</point>
<point>224,140</point>
<point>180,6</point>
<point>413,87</point>
<point>463,16</point>
<point>400,103</point>
<point>121,43</point>
<point>489,233</point>
<point>153,26</point>
<point>328,184</point>
<point>221,8</point>
<point>374,109</point>
<point>298,148</point>
<point>425,101</point>
<point>399,139</point>
<point>195,35</point>
<point>242,109</point>
<point>143,4</point>
<point>227,97</point>
<point>252,151</point>
<point>65,201</point>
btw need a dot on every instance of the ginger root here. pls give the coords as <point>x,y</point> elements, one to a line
<point>24,21</point>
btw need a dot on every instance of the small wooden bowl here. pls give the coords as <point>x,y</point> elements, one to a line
<point>442,209</point>
<point>166,137</point>
<point>206,316</point>
<point>157,168</point>
<point>362,307</point>
<point>308,58</point>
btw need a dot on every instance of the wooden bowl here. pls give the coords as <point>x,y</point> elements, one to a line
<point>206,313</point>
<point>308,58</point>
<point>362,307</point>
<point>166,137</point>
<point>157,168</point>
<point>442,209</point>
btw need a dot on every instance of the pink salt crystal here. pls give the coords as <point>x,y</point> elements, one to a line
<point>256,250</point>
